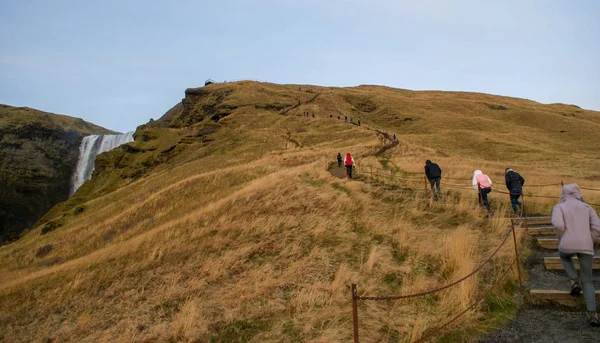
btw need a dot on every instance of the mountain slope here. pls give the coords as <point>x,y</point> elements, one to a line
<point>38,153</point>
<point>222,221</point>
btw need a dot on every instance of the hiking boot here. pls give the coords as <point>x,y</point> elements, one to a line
<point>593,318</point>
<point>575,287</point>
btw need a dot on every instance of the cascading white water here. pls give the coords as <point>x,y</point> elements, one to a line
<point>90,147</point>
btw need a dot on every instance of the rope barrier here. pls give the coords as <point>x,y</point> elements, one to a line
<point>546,185</point>
<point>435,290</point>
<point>436,330</point>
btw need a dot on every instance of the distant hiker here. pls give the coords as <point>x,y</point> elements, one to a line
<point>395,138</point>
<point>345,118</point>
<point>359,122</point>
<point>339,159</point>
<point>577,227</point>
<point>313,115</point>
<point>351,119</point>
<point>434,175</point>
<point>483,184</point>
<point>338,117</point>
<point>349,164</point>
<point>331,116</point>
<point>514,183</point>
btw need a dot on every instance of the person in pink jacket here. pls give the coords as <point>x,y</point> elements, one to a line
<point>483,184</point>
<point>577,227</point>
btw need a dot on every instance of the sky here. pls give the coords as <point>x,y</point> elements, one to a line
<point>119,63</point>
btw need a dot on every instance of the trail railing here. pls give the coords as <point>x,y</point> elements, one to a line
<point>438,329</point>
<point>375,172</point>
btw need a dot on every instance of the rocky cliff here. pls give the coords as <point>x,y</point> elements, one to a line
<point>38,152</point>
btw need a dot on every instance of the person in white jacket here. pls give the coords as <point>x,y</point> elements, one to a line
<point>483,184</point>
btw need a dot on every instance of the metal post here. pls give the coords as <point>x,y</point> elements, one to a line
<point>517,256</point>
<point>355,311</point>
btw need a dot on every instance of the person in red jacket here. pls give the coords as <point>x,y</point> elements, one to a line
<point>349,163</point>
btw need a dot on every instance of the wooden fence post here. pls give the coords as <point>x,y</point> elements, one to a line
<point>517,257</point>
<point>355,311</point>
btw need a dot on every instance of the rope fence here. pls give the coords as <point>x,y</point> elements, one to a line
<point>436,330</point>
<point>377,172</point>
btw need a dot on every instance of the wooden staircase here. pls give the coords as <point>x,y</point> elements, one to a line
<point>540,230</point>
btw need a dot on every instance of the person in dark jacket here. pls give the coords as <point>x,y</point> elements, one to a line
<point>434,175</point>
<point>514,183</point>
<point>339,159</point>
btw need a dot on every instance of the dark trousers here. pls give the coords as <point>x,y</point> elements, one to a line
<point>514,199</point>
<point>435,183</point>
<point>585,276</point>
<point>339,163</point>
<point>349,171</point>
<point>483,199</point>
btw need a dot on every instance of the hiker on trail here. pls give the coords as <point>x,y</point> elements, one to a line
<point>338,117</point>
<point>577,227</point>
<point>331,116</point>
<point>339,159</point>
<point>434,175</point>
<point>345,118</point>
<point>514,183</point>
<point>349,164</point>
<point>483,184</point>
<point>313,115</point>
<point>351,119</point>
<point>359,122</point>
<point>395,138</point>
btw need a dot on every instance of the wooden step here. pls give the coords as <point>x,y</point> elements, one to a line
<point>561,297</point>
<point>553,263</point>
<point>546,220</point>
<point>540,231</point>
<point>548,243</point>
<point>552,243</point>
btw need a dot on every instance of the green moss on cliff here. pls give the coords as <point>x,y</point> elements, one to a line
<point>38,152</point>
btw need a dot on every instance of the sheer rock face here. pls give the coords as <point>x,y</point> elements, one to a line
<point>38,152</point>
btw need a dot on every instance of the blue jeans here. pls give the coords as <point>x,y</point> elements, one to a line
<point>514,199</point>
<point>435,183</point>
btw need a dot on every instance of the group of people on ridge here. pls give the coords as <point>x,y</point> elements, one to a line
<point>482,183</point>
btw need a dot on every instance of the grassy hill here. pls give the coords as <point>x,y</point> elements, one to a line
<point>38,153</point>
<point>225,220</point>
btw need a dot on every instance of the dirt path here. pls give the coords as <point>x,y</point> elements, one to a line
<point>549,322</point>
<point>337,171</point>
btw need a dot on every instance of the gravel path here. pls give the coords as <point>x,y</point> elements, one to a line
<point>547,323</point>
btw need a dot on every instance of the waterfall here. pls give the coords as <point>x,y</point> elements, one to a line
<point>90,147</point>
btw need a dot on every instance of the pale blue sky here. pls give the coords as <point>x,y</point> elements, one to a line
<point>119,63</point>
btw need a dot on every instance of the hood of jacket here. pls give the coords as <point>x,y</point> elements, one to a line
<point>477,172</point>
<point>428,162</point>
<point>571,191</point>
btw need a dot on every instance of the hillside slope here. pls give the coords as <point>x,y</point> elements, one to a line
<point>38,153</point>
<point>223,222</point>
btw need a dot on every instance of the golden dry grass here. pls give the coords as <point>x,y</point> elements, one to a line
<point>250,238</point>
